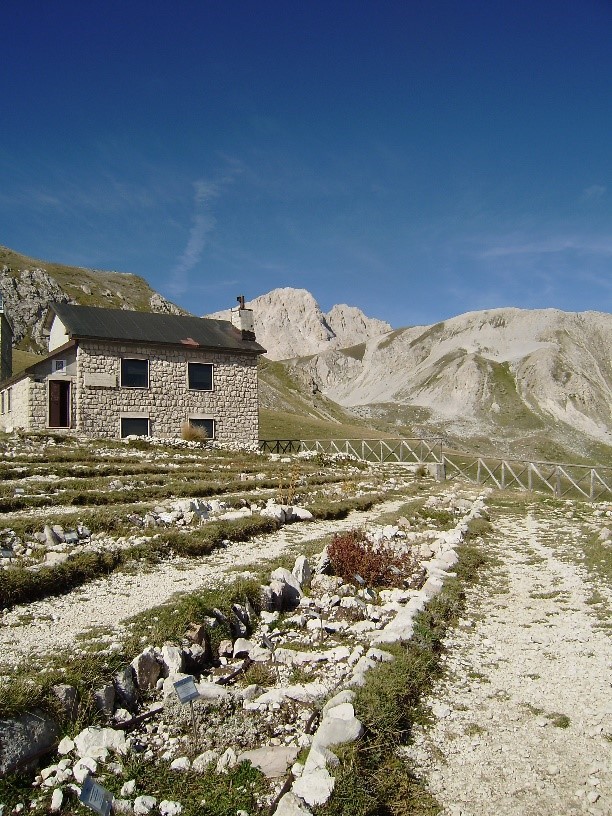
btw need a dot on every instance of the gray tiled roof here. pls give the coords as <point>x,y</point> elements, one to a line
<point>91,322</point>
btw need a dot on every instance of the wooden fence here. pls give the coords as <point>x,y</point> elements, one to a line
<point>562,480</point>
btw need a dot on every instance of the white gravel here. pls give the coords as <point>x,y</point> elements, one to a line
<point>53,624</point>
<point>517,660</point>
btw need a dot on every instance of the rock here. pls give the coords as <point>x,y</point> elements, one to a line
<point>146,668</point>
<point>56,800</point>
<point>346,696</point>
<point>94,741</point>
<point>301,570</point>
<point>125,688</point>
<point>122,806</point>
<point>242,647</point>
<point>202,761</point>
<point>180,764</point>
<point>301,514</point>
<point>226,761</point>
<point>292,591</point>
<point>195,632</point>
<point>104,699</point>
<point>169,808</point>
<point>290,805</point>
<point>274,511</point>
<point>128,788</point>
<point>314,787</point>
<point>65,747</point>
<point>25,738</point>
<point>272,760</point>
<point>84,767</point>
<point>226,648</point>
<point>144,805</point>
<point>172,658</point>
<point>197,657</point>
<point>51,536</point>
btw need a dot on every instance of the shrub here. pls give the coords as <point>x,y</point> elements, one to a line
<point>352,553</point>
<point>193,433</point>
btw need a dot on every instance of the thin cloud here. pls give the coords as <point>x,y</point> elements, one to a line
<point>596,246</point>
<point>594,193</point>
<point>203,224</point>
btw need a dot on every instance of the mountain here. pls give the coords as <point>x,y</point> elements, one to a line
<point>537,382</point>
<point>289,323</point>
<point>28,286</point>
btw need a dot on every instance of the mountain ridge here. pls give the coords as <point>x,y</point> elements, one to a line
<point>290,323</point>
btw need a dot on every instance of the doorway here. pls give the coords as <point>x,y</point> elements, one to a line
<point>59,404</point>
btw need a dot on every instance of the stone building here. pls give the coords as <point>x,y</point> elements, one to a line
<point>113,373</point>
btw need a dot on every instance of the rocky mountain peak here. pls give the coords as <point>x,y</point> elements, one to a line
<point>290,323</point>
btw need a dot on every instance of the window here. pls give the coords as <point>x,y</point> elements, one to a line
<point>200,376</point>
<point>8,400</point>
<point>2,401</point>
<point>134,373</point>
<point>134,426</point>
<point>59,366</point>
<point>207,425</point>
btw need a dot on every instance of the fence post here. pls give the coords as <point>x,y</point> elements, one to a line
<point>558,482</point>
<point>478,471</point>
<point>592,488</point>
<point>503,474</point>
<point>530,476</point>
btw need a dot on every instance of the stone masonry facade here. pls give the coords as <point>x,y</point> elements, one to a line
<point>167,402</point>
<point>98,401</point>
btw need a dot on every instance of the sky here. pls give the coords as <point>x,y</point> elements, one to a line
<point>417,159</point>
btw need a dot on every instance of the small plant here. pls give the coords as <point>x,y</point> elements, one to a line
<point>352,553</point>
<point>193,433</point>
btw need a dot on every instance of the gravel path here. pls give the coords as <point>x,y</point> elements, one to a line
<point>524,717</point>
<point>53,624</point>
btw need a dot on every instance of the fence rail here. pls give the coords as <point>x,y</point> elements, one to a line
<point>562,480</point>
<point>403,451</point>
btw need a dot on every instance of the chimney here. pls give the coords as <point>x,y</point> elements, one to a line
<point>242,318</point>
<point>6,343</point>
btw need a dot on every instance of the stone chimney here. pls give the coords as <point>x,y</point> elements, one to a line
<point>6,343</point>
<point>242,318</point>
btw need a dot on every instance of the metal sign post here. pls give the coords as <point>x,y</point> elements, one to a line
<point>187,692</point>
<point>96,797</point>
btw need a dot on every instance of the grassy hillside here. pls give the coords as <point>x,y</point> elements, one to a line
<point>88,287</point>
<point>291,410</point>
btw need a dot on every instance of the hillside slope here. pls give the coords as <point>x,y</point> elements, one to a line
<point>28,286</point>
<point>503,374</point>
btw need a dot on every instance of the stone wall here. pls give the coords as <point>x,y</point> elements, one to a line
<point>167,402</point>
<point>19,415</point>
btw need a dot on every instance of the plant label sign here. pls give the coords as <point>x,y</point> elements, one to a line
<point>186,690</point>
<point>96,797</point>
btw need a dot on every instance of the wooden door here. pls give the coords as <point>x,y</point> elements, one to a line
<point>59,404</point>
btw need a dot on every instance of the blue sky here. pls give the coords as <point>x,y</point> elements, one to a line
<point>417,159</point>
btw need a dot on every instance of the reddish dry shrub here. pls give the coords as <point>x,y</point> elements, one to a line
<point>352,553</point>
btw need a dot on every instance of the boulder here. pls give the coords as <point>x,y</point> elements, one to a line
<point>204,760</point>
<point>292,591</point>
<point>242,647</point>
<point>172,658</point>
<point>143,805</point>
<point>24,739</point>
<point>301,570</point>
<point>290,805</point>
<point>67,698</point>
<point>94,741</point>
<point>314,787</point>
<point>104,699</point>
<point>146,668</point>
<point>125,688</point>
<point>272,760</point>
